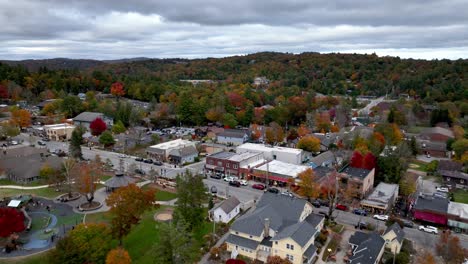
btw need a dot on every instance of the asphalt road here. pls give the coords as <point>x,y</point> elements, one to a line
<point>244,193</point>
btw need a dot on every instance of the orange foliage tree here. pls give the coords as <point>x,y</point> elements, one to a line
<point>87,180</point>
<point>117,89</point>
<point>449,248</point>
<point>274,133</point>
<point>21,118</point>
<point>425,257</point>
<point>118,256</point>
<point>309,143</point>
<point>308,186</point>
<point>303,130</point>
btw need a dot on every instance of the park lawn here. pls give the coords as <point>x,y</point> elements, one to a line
<point>460,196</point>
<point>10,182</point>
<point>102,217</point>
<point>34,259</point>
<point>43,192</point>
<point>165,196</point>
<point>420,165</point>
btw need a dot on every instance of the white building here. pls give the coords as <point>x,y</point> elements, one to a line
<point>163,150</point>
<point>234,137</point>
<point>59,132</point>
<point>382,198</point>
<point>289,155</point>
<point>278,171</point>
<point>227,210</point>
<point>86,118</point>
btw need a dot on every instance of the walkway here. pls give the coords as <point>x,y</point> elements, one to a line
<point>23,187</point>
<point>206,258</point>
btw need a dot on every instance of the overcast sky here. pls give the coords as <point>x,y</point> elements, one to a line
<point>112,29</point>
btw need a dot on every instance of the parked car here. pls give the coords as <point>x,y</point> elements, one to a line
<point>287,193</point>
<point>440,194</point>
<point>324,202</point>
<point>258,186</point>
<point>442,189</point>
<point>46,139</point>
<point>14,142</point>
<point>123,156</point>
<point>149,161</point>
<point>428,229</point>
<point>228,179</point>
<point>407,223</point>
<point>215,176</point>
<point>428,155</point>
<point>40,143</point>
<point>140,171</point>
<point>381,217</point>
<point>360,212</point>
<point>139,159</point>
<point>361,225</point>
<point>273,190</point>
<point>341,207</point>
<point>235,183</point>
<point>243,182</point>
<point>316,204</point>
<point>158,163</point>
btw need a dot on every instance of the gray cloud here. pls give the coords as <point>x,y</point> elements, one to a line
<point>108,29</point>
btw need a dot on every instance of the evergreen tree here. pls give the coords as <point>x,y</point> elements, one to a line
<point>176,244</point>
<point>75,143</point>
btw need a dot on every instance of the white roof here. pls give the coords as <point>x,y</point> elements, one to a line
<point>382,193</point>
<point>253,164</point>
<point>459,209</point>
<point>59,126</point>
<point>243,156</point>
<point>172,144</point>
<point>262,148</point>
<point>283,168</point>
<point>14,203</point>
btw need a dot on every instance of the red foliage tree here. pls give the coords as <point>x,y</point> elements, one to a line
<point>368,161</point>
<point>117,89</point>
<point>97,126</point>
<point>3,91</point>
<point>11,221</point>
<point>357,160</point>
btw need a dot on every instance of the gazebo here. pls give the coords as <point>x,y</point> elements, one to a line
<point>117,181</point>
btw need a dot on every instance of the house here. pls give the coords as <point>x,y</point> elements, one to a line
<point>260,81</point>
<point>227,210</point>
<point>289,155</point>
<point>457,214</point>
<point>452,174</point>
<point>277,172</point>
<point>59,132</point>
<point>23,164</point>
<point>325,159</point>
<point>394,237</point>
<point>85,118</point>
<point>232,137</point>
<point>433,148</point>
<point>366,248</point>
<point>382,198</point>
<point>183,155</point>
<point>431,209</point>
<point>363,178</point>
<point>162,151</point>
<point>232,164</point>
<point>278,226</point>
<point>436,134</point>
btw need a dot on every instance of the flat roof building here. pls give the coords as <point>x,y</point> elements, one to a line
<point>289,155</point>
<point>278,171</point>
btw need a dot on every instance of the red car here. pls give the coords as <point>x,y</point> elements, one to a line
<point>341,207</point>
<point>258,186</point>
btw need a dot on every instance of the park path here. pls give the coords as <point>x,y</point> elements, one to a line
<point>23,187</point>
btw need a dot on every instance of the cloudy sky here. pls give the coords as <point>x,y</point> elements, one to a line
<point>112,29</point>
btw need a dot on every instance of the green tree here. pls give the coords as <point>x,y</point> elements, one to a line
<point>413,146</point>
<point>191,195</point>
<point>46,172</point>
<point>75,142</point>
<point>71,105</point>
<point>229,120</point>
<point>87,243</point>
<point>106,139</point>
<point>176,244</point>
<point>185,108</point>
<point>460,147</point>
<point>118,127</point>
<point>8,130</point>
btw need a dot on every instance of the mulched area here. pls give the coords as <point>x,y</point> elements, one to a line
<point>162,188</point>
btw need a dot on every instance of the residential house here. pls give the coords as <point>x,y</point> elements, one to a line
<point>457,214</point>
<point>277,172</point>
<point>436,134</point>
<point>183,155</point>
<point>261,81</point>
<point>433,148</point>
<point>162,151</point>
<point>278,226</point>
<point>325,159</point>
<point>289,155</point>
<point>382,198</point>
<point>363,178</point>
<point>85,118</point>
<point>232,164</point>
<point>452,174</point>
<point>59,132</point>
<point>431,209</point>
<point>23,164</point>
<point>232,137</point>
<point>226,211</point>
<point>366,248</point>
<point>394,237</point>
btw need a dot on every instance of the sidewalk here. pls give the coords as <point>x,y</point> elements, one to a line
<point>23,187</point>
<point>206,257</point>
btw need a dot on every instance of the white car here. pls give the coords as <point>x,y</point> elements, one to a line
<point>442,189</point>
<point>429,229</point>
<point>14,142</point>
<point>228,179</point>
<point>287,193</point>
<point>243,182</point>
<point>381,217</point>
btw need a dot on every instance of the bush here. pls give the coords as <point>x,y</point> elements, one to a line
<point>322,237</point>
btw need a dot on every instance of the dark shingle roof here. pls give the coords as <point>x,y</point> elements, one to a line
<point>184,152</point>
<point>300,232</point>
<point>356,172</point>
<point>118,180</point>
<point>228,205</point>
<point>241,241</point>
<point>437,130</point>
<point>321,171</point>
<point>368,250</point>
<point>358,237</point>
<point>310,251</point>
<point>400,235</point>
<point>326,157</point>
<point>449,165</point>
<point>435,204</point>
<point>87,116</point>
<point>222,155</point>
<point>454,174</point>
<point>233,133</point>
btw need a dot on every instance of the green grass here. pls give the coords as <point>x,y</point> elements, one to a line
<point>337,228</point>
<point>10,182</point>
<point>44,192</point>
<point>103,217</point>
<point>420,165</point>
<point>165,196</point>
<point>460,196</point>
<point>34,259</point>
<point>39,222</point>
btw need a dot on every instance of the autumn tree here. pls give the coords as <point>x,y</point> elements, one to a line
<point>118,256</point>
<point>11,221</point>
<point>274,133</point>
<point>292,134</point>
<point>356,160</point>
<point>127,204</point>
<point>117,89</point>
<point>97,126</point>
<point>309,143</point>
<point>21,118</point>
<point>256,133</point>
<point>3,91</point>
<point>89,176</point>
<point>449,248</point>
<point>425,257</point>
<point>86,243</point>
<point>308,186</point>
<point>369,161</point>
<point>176,244</point>
<point>329,187</point>
<point>277,260</point>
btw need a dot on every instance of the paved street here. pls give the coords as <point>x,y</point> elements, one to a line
<point>244,193</point>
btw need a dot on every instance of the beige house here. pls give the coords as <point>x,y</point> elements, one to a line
<point>59,132</point>
<point>394,237</point>
<point>279,226</point>
<point>363,178</point>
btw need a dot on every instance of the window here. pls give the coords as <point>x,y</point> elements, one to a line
<point>220,163</point>
<point>250,236</point>
<point>276,242</point>
<point>235,166</point>
<point>227,165</point>
<point>292,247</point>
<point>237,233</point>
<point>274,157</point>
<point>287,246</point>
<point>290,257</point>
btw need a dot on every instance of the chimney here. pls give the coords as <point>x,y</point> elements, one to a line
<point>266,226</point>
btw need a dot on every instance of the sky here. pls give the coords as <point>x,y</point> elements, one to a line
<point>114,29</point>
